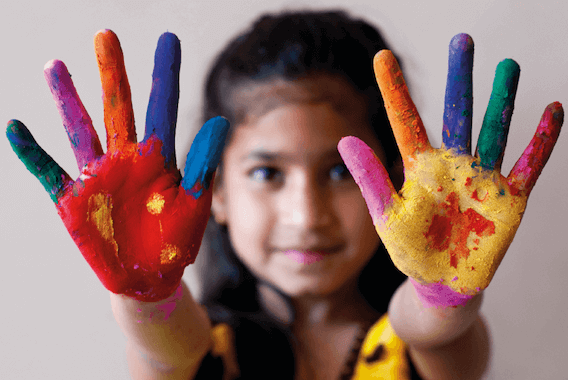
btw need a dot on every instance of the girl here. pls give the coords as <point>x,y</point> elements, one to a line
<point>295,277</point>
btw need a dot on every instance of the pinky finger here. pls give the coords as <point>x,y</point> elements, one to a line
<point>526,171</point>
<point>39,163</point>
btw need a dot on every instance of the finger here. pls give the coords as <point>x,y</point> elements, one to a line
<point>495,128</point>
<point>204,156</point>
<point>526,171</point>
<point>119,115</point>
<point>405,121</point>
<point>83,137</point>
<point>459,96</point>
<point>53,178</point>
<point>370,174</point>
<point>162,111</point>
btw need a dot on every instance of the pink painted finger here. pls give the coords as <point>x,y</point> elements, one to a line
<point>405,121</point>
<point>76,120</point>
<point>526,171</point>
<point>370,174</point>
<point>439,295</point>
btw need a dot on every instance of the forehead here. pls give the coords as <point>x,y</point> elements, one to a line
<point>252,99</point>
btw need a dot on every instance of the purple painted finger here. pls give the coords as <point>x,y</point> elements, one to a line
<point>77,122</point>
<point>526,171</point>
<point>370,174</point>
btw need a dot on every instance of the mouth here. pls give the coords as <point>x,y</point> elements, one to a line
<point>310,256</point>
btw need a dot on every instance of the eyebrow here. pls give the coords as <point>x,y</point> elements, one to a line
<point>264,155</point>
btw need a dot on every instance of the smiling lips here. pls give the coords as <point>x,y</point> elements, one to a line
<point>308,256</point>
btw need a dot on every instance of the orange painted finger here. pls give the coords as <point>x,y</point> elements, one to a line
<point>119,115</point>
<point>405,121</point>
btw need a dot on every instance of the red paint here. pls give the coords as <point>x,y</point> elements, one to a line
<point>129,179</point>
<point>476,196</point>
<point>450,229</point>
<point>529,166</point>
<point>440,188</point>
<point>468,181</point>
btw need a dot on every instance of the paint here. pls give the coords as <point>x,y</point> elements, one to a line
<point>161,116</point>
<point>77,122</point>
<point>53,178</point>
<point>454,226</point>
<point>439,295</point>
<point>369,173</point>
<point>459,96</point>
<point>439,228</point>
<point>527,169</point>
<point>204,156</point>
<point>495,128</point>
<point>405,121</point>
<point>117,103</point>
<point>168,307</point>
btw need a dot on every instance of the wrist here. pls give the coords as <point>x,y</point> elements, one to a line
<point>438,295</point>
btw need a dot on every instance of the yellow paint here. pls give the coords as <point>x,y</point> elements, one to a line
<point>223,346</point>
<point>169,253</point>
<point>155,204</point>
<point>100,214</point>
<point>436,174</point>
<point>392,365</point>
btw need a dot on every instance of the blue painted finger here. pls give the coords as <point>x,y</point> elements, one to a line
<point>39,163</point>
<point>161,116</point>
<point>204,155</point>
<point>459,95</point>
<point>495,128</point>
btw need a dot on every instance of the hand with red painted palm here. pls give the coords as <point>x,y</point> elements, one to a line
<point>135,220</point>
<point>456,215</point>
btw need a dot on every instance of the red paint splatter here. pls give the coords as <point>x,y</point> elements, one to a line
<point>476,196</point>
<point>440,188</point>
<point>450,229</point>
<point>468,181</point>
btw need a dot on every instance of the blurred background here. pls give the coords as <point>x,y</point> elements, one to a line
<point>55,317</point>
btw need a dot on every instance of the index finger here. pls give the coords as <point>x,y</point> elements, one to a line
<point>405,121</point>
<point>117,102</point>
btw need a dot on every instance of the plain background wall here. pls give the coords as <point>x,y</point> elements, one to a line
<point>55,316</point>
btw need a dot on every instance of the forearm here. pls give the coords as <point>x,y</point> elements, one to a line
<point>164,336</point>
<point>444,343</point>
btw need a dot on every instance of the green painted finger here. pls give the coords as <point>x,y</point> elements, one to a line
<point>39,163</point>
<point>495,128</point>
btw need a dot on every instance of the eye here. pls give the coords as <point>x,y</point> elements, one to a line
<point>339,173</point>
<point>264,174</point>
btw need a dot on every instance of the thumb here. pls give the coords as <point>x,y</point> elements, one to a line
<point>370,174</point>
<point>204,156</point>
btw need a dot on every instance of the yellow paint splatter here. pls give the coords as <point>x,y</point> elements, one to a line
<point>100,214</point>
<point>155,204</point>
<point>169,253</point>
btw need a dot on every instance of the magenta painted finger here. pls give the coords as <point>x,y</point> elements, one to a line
<point>526,171</point>
<point>77,122</point>
<point>370,174</point>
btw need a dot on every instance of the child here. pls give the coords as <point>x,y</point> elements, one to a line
<point>296,277</point>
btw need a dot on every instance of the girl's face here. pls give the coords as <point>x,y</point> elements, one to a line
<point>295,216</point>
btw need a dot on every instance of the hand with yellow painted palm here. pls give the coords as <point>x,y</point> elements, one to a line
<point>453,220</point>
<point>135,220</point>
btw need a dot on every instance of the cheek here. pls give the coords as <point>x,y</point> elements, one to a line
<point>357,223</point>
<point>248,219</point>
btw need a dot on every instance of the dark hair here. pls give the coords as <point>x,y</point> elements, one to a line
<point>295,45</point>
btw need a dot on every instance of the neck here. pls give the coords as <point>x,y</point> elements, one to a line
<point>345,306</point>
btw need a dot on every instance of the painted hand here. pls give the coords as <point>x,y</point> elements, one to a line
<point>135,220</point>
<point>456,215</point>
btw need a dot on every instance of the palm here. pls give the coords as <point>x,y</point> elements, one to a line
<point>136,222</point>
<point>456,215</point>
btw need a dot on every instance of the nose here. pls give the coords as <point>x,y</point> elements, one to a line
<point>307,205</point>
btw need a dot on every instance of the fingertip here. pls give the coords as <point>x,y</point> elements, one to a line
<point>557,111</point>
<point>107,46</point>
<point>508,69</point>
<point>462,42</point>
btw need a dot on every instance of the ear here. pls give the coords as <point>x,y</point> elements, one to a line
<point>218,208</point>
